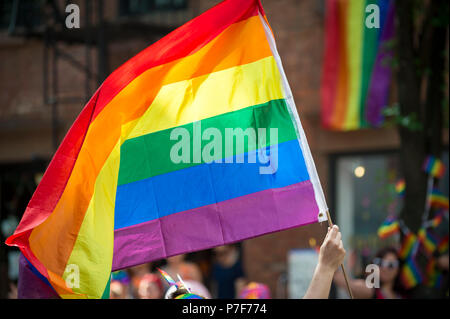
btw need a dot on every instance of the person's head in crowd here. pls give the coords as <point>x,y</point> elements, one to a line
<point>135,275</point>
<point>119,284</point>
<point>254,290</point>
<point>389,262</point>
<point>150,287</point>
<point>226,255</point>
<point>117,290</point>
<point>179,265</point>
<point>176,260</point>
<point>442,262</point>
<point>139,270</point>
<point>388,284</point>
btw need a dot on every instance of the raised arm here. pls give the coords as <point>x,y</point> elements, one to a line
<point>331,255</point>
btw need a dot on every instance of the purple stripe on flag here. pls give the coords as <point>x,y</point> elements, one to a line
<point>381,76</point>
<point>216,224</point>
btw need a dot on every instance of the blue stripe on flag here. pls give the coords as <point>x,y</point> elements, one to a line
<point>205,184</point>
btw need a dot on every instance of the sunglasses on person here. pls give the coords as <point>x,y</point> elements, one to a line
<point>391,264</point>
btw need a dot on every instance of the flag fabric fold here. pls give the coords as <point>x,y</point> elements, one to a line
<point>113,197</point>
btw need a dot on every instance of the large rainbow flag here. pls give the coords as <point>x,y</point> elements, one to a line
<point>356,77</point>
<point>112,196</point>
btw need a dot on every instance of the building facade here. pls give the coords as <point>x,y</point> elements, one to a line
<point>40,99</point>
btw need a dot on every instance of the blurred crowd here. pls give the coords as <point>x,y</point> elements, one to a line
<point>223,278</point>
<point>391,283</point>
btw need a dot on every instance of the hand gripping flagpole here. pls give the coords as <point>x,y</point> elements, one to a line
<point>330,223</point>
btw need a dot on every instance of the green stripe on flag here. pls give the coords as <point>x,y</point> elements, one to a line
<point>149,155</point>
<point>106,292</point>
<point>370,48</point>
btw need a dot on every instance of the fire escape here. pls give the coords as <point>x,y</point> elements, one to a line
<point>46,20</point>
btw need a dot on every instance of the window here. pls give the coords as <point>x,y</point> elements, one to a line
<point>365,196</point>
<point>24,13</point>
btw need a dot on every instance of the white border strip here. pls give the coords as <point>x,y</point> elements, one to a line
<point>311,167</point>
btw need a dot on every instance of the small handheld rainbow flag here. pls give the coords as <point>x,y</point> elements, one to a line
<point>400,187</point>
<point>389,227</point>
<point>408,245</point>
<point>438,200</point>
<point>410,274</point>
<point>434,166</point>
<point>167,277</point>
<point>428,241</point>
<point>189,296</point>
